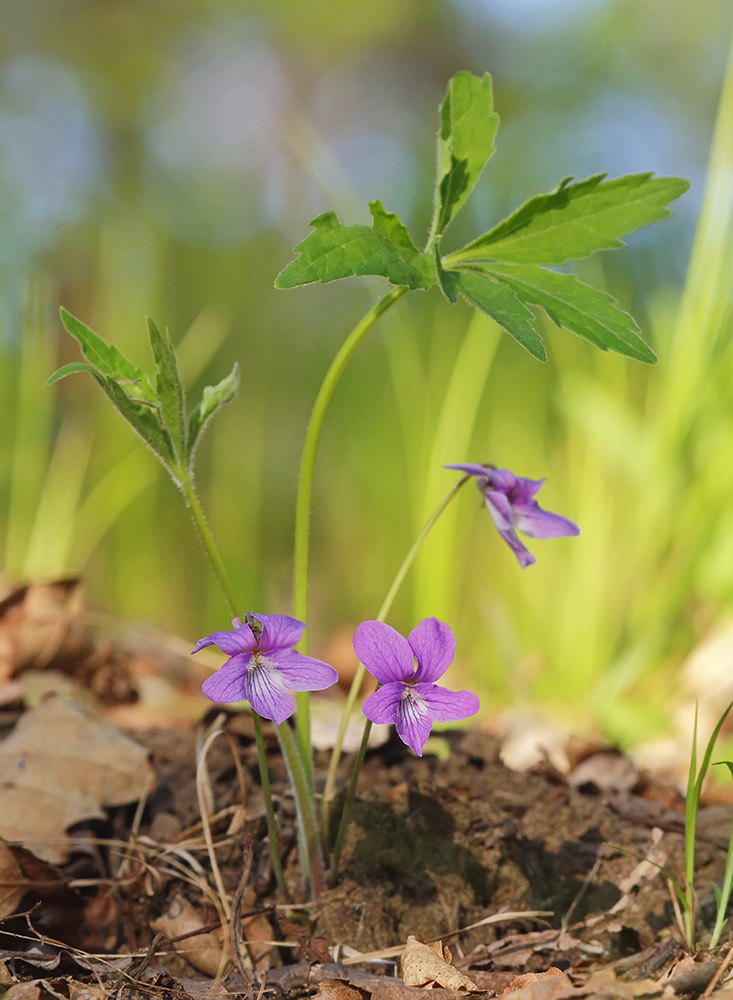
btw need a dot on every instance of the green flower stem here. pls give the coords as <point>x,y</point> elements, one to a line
<point>310,854</point>
<point>277,868</point>
<point>303,503</point>
<point>192,502</point>
<point>328,792</point>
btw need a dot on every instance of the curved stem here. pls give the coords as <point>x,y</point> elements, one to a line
<point>329,790</point>
<point>192,502</point>
<point>305,489</point>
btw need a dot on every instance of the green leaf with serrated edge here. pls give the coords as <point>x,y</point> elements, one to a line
<point>107,358</point>
<point>144,421</point>
<point>502,305</point>
<point>468,125</point>
<point>213,398</point>
<point>575,219</point>
<point>168,386</point>
<point>70,369</point>
<point>577,307</point>
<point>334,251</point>
<point>446,279</point>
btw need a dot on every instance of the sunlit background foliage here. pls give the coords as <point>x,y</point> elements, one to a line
<point>163,159</point>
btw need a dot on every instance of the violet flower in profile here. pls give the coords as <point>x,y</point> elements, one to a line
<point>409,697</point>
<point>263,666</point>
<point>511,503</point>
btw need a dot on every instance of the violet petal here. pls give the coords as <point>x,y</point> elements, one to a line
<point>302,673</point>
<point>520,550</point>
<point>385,653</point>
<point>447,706</point>
<point>503,480</point>
<point>434,646</point>
<point>472,468</point>
<point>227,684</point>
<point>413,722</point>
<point>279,631</point>
<point>538,523</point>
<point>525,489</point>
<point>500,509</point>
<point>382,706</point>
<point>266,692</point>
<point>240,640</point>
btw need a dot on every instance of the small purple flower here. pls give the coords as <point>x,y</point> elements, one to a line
<point>511,505</point>
<point>408,697</point>
<point>263,667</point>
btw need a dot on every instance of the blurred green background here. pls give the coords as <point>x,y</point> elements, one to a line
<point>163,159</point>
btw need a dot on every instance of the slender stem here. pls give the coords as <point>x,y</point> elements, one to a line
<point>328,792</point>
<point>277,868</point>
<point>303,503</point>
<point>310,854</point>
<point>192,501</point>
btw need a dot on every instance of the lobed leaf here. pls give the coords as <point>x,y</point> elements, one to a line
<point>212,399</point>
<point>143,419</point>
<point>169,389</point>
<point>70,369</point>
<point>500,303</point>
<point>468,125</point>
<point>334,251</point>
<point>576,219</point>
<point>577,307</point>
<point>107,358</point>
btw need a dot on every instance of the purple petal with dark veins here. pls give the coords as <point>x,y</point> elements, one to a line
<point>279,631</point>
<point>538,523</point>
<point>240,640</point>
<point>227,684</point>
<point>382,706</point>
<point>302,673</point>
<point>447,706</point>
<point>434,646</point>
<point>266,692</point>
<point>413,722</point>
<point>385,653</point>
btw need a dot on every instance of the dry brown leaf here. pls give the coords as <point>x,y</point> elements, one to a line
<point>423,965</point>
<point>533,977</point>
<point>36,622</point>
<point>340,989</point>
<point>61,764</point>
<point>84,991</point>
<point>203,951</point>
<point>23,991</point>
<point>12,887</point>
<point>543,987</point>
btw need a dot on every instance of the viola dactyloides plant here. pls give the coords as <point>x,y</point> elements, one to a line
<point>502,273</point>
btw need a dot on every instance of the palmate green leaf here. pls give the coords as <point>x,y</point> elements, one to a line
<point>499,302</point>
<point>169,389</point>
<point>576,219</point>
<point>107,358</point>
<point>577,307</point>
<point>334,251</point>
<point>468,125</point>
<point>213,398</point>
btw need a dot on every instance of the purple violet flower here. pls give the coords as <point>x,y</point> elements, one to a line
<point>408,697</point>
<point>511,505</point>
<point>263,667</point>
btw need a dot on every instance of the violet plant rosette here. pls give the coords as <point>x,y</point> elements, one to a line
<point>263,668</point>
<point>407,670</point>
<point>510,501</point>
